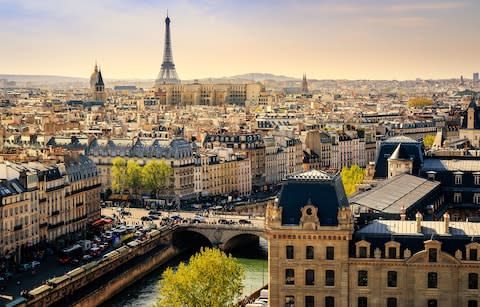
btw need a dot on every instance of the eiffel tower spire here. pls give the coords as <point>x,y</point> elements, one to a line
<point>167,74</point>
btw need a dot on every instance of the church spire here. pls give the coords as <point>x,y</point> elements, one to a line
<point>304,84</point>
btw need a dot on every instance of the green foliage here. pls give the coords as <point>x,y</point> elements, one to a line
<point>210,279</point>
<point>119,174</point>
<point>419,102</point>
<point>156,176</point>
<point>351,177</point>
<point>134,176</point>
<point>428,140</point>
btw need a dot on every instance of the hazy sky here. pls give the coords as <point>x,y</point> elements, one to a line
<point>363,39</point>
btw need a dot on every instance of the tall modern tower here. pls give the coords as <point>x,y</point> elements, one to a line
<point>167,74</point>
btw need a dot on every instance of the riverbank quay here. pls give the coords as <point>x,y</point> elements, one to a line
<point>112,287</point>
<point>65,290</point>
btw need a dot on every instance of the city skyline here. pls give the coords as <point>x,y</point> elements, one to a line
<point>327,40</point>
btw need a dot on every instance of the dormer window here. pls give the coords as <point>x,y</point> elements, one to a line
<point>476,178</point>
<point>458,178</point>
<point>476,198</point>
<point>472,251</point>
<point>457,198</point>
<point>392,250</point>
<point>431,175</point>
<point>432,255</point>
<point>362,249</point>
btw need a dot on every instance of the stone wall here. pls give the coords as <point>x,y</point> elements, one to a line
<point>114,286</point>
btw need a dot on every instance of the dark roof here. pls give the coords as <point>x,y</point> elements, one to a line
<point>411,149</point>
<point>399,154</point>
<point>476,115</point>
<point>100,79</point>
<point>314,187</point>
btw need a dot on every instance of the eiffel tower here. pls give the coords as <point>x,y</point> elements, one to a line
<point>168,74</point>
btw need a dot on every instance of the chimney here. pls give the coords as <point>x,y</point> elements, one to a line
<point>402,214</point>
<point>418,219</point>
<point>446,222</point>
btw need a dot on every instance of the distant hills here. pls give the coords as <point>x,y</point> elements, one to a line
<point>47,79</point>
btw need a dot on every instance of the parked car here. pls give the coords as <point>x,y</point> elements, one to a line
<point>244,222</point>
<point>154,212</point>
<point>23,267</point>
<point>146,218</point>
<point>153,217</point>
<point>35,264</point>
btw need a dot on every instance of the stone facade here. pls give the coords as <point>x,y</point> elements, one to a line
<point>317,258</point>
<point>208,94</point>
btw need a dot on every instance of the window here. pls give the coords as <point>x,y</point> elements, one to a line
<point>391,279</point>
<point>309,252</point>
<point>392,252</point>
<point>330,253</point>
<point>309,301</point>
<point>472,303</point>
<point>476,179</point>
<point>362,301</point>
<point>472,281</point>
<point>329,301</point>
<point>363,278</point>
<point>476,198</point>
<point>457,198</point>
<point>392,302</point>
<point>289,276</point>
<point>289,301</point>
<point>330,278</point>
<point>289,252</point>
<point>432,280</point>
<point>432,303</point>
<point>473,254</point>
<point>362,252</point>
<point>432,255</point>
<point>309,277</point>
<point>458,179</point>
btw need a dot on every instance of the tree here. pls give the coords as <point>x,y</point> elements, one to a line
<point>210,279</point>
<point>428,140</point>
<point>119,174</point>
<point>156,176</point>
<point>134,176</point>
<point>419,102</point>
<point>351,177</point>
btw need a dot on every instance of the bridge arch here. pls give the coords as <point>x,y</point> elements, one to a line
<point>190,239</point>
<point>241,241</point>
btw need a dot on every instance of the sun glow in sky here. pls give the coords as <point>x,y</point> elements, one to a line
<point>329,39</point>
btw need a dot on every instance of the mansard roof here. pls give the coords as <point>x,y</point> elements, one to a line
<point>314,187</point>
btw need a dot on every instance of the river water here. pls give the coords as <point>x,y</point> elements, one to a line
<point>144,292</point>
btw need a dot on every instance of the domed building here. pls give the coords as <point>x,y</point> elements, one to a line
<point>97,86</point>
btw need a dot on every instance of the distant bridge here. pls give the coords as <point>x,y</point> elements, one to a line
<point>225,237</point>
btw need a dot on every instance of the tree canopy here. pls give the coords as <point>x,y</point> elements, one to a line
<point>351,176</point>
<point>419,102</point>
<point>210,279</point>
<point>428,140</point>
<point>119,174</point>
<point>153,177</point>
<point>134,176</point>
<point>156,176</point>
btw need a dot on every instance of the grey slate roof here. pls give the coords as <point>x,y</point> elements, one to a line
<point>389,196</point>
<point>451,165</point>
<point>409,228</point>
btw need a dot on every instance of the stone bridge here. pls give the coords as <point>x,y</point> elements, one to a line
<point>225,237</point>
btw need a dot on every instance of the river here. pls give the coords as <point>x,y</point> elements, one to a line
<point>144,292</point>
